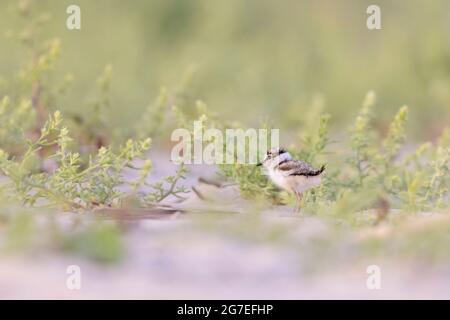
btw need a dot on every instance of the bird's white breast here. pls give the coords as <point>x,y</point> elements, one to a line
<point>279,179</point>
<point>294,183</point>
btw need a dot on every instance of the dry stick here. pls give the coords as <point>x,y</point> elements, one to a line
<point>210,182</point>
<point>198,193</point>
<point>135,213</point>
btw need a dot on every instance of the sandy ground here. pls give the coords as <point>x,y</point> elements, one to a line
<point>168,260</point>
<point>180,258</point>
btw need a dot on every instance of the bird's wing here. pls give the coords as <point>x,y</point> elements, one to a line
<point>298,168</point>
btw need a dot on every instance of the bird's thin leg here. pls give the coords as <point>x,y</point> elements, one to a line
<point>297,202</point>
<point>299,199</point>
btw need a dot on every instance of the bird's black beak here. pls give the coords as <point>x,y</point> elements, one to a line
<point>259,164</point>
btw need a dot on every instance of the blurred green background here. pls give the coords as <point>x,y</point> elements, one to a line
<point>253,58</point>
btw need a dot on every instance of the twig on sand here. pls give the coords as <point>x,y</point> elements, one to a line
<point>157,213</point>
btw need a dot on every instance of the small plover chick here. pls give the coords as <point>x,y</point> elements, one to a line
<point>294,176</point>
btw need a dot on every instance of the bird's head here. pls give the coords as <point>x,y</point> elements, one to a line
<point>274,156</point>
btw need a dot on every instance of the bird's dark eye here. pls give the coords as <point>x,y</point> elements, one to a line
<point>282,151</point>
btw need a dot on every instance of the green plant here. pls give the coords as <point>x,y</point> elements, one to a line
<point>160,190</point>
<point>374,172</point>
<point>75,184</point>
